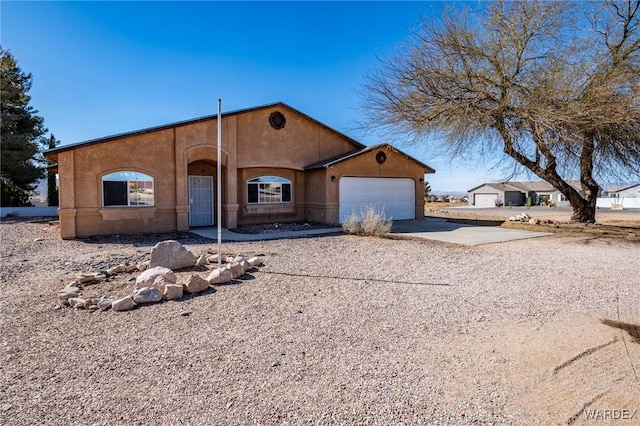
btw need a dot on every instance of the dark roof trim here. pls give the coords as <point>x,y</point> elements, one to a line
<point>624,189</point>
<point>330,162</point>
<point>194,121</point>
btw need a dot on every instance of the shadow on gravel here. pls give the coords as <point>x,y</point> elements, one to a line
<point>146,240</point>
<point>632,329</point>
<point>289,274</point>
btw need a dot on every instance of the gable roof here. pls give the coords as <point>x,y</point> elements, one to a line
<point>194,121</point>
<point>385,146</point>
<point>613,191</point>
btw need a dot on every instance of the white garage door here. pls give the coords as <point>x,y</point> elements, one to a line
<point>485,200</point>
<point>395,195</point>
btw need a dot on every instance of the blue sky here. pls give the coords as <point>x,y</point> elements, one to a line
<point>101,68</point>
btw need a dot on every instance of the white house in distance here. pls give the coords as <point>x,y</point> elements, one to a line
<point>622,197</point>
<point>516,193</point>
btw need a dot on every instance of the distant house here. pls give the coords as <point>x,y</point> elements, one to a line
<point>627,197</point>
<point>632,191</point>
<point>278,164</point>
<point>516,194</point>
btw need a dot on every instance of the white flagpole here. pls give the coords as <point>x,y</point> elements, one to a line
<point>219,183</point>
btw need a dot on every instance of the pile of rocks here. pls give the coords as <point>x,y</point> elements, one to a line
<point>157,280</point>
<point>525,218</point>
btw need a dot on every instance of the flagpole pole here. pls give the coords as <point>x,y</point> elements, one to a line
<point>219,183</point>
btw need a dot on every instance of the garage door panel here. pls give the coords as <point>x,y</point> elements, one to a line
<point>395,195</point>
<point>485,200</point>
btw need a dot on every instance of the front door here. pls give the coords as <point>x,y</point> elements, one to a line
<point>200,200</point>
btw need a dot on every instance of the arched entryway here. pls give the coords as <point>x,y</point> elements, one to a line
<point>202,189</point>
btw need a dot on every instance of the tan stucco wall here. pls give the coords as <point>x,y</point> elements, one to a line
<point>299,144</point>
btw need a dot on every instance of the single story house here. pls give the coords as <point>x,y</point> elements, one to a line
<point>632,191</point>
<point>278,164</point>
<point>516,194</point>
<point>621,197</point>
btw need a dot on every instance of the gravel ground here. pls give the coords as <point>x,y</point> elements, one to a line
<point>332,330</point>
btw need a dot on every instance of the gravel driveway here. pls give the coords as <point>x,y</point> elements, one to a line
<point>333,330</point>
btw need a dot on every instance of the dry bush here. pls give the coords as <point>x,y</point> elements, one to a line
<point>368,222</point>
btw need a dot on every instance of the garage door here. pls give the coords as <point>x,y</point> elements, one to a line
<point>395,195</point>
<point>485,200</point>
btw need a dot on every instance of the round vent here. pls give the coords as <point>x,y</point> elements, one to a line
<point>381,157</point>
<point>277,120</point>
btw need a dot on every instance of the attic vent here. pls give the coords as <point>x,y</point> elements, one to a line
<point>381,157</point>
<point>277,120</point>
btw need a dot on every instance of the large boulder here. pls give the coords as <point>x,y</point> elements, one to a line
<point>220,276</point>
<point>171,254</point>
<point>123,304</point>
<point>156,277</point>
<point>173,292</point>
<point>195,284</point>
<point>147,295</point>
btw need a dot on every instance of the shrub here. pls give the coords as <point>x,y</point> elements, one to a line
<point>368,222</point>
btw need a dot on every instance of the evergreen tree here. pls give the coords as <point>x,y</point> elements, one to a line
<point>21,134</point>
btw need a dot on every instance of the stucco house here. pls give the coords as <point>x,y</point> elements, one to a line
<point>278,164</point>
<point>516,193</point>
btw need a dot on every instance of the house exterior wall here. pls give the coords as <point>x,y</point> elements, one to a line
<point>251,147</point>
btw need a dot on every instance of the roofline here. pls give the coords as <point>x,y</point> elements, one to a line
<point>194,121</point>
<point>624,189</point>
<point>331,162</point>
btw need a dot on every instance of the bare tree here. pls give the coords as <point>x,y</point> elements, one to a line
<point>555,86</point>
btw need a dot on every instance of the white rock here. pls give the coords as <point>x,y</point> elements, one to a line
<point>105,303</point>
<point>143,266</point>
<point>519,218</point>
<point>202,260</point>
<point>148,277</point>
<point>172,292</point>
<point>246,266</point>
<point>228,259</point>
<point>195,284</point>
<point>239,258</point>
<point>77,302</point>
<point>123,304</point>
<point>67,296</point>
<point>525,217</point>
<point>171,254</point>
<point>147,295</point>
<point>214,258</point>
<point>534,221</point>
<point>512,219</point>
<point>116,269</point>
<point>255,261</point>
<point>85,277</point>
<point>237,270</point>
<point>220,276</point>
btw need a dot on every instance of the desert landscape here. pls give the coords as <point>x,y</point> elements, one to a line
<point>338,329</point>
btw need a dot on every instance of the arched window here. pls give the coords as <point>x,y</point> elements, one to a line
<point>127,188</point>
<point>269,189</point>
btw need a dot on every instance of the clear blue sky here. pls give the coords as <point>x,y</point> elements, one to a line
<point>101,68</point>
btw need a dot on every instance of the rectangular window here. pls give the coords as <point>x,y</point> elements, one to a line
<point>269,190</point>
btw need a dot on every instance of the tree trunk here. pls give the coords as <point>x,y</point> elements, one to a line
<point>584,210</point>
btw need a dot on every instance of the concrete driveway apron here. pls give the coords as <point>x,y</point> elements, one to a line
<point>450,232</point>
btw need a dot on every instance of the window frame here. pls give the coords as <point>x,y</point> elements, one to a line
<point>276,183</point>
<point>134,181</point>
